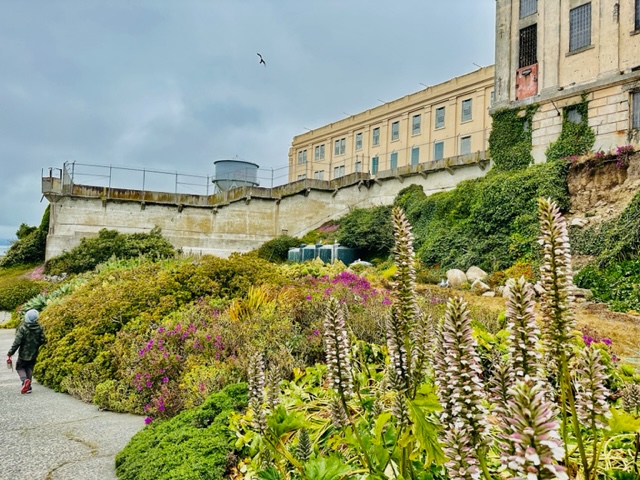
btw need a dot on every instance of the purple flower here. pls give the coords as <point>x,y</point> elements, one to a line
<point>308,297</point>
<point>165,379</point>
<point>386,301</point>
<point>149,384</point>
<point>148,420</point>
<point>606,341</point>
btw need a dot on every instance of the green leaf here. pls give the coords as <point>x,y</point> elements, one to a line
<point>269,474</point>
<point>281,422</point>
<point>326,468</point>
<point>378,427</point>
<point>622,422</point>
<point>426,433</point>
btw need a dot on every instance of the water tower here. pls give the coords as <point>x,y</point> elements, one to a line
<point>235,173</point>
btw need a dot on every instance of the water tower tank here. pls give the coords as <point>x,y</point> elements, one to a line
<point>235,173</point>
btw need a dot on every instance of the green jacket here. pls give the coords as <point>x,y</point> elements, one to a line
<point>29,337</point>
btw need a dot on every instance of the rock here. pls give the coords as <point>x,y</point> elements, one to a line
<point>456,278</point>
<point>479,286</point>
<point>499,290</point>
<point>489,294</point>
<point>505,291</point>
<point>538,288</point>
<point>579,222</point>
<point>582,293</point>
<point>475,273</point>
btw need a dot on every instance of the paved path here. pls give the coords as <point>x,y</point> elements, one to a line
<point>52,436</point>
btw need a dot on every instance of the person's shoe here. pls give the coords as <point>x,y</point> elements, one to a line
<point>26,386</point>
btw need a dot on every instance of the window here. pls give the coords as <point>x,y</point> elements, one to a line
<point>465,145</point>
<point>319,155</point>
<point>359,141</point>
<point>358,166</point>
<point>415,156</point>
<point>319,175</point>
<point>393,161</point>
<point>528,7</point>
<point>395,131</point>
<point>528,46</point>
<point>466,110</point>
<point>573,115</point>
<point>374,165</point>
<point>492,99</point>
<point>302,176</point>
<point>375,140</point>
<point>635,104</point>
<point>438,150</point>
<point>302,157</point>
<point>339,147</point>
<point>415,124</point>
<point>338,171</point>
<point>637,14</point>
<point>580,27</point>
<point>440,117</point>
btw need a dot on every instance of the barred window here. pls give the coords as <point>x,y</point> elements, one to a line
<point>465,145</point>
<point>528,7</point>
<point>635,118</point>
<point>438,150</point>
<point>466,110</point>
<point>580,27</point>
<point>528,46</point>
<point>440,117</point>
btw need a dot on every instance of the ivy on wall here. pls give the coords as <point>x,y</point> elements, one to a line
<point>576,138</point>
<point>510,138</point>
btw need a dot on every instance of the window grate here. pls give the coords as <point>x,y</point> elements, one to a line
<point>528,46</point>
<point>580,27</point>
<point>635,119</point>
<point>528,7</point>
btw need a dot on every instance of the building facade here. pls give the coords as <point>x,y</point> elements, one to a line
<point>442,121</point>
<point>554,53</point>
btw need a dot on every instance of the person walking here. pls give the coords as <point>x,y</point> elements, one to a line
<point>29,338</point>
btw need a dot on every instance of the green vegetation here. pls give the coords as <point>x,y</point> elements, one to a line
<point>30,247</point>
<point>195,445</point>
<point>110,243</point>
<point>510,138</point>
<point>576,137</point>
<point>277,250</point>
<point>489,222</point>
<point>368,229</point>
<point>617,285</point>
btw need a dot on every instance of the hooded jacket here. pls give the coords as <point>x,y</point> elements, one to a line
<point>29,338</point>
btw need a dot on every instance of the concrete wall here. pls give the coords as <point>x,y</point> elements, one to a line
<point>238,226</point>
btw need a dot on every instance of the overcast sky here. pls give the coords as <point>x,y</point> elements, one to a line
<point>175,85</point>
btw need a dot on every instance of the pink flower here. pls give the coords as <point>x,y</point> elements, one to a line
<point>148,420</point>
<point>165,379</point>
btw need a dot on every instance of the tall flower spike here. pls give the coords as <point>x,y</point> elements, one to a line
<point>499,385</point>
<point>337,349</point>
<point>523,331</point>
<point>462,463</point>
<point>273,388</point>
<point>458,375</point>
<point>399,375</point>
<point>400,409</point>
<point>255,376</point>
<point>304,449</point>
<point>404,287</point>
<point>420,336</point>
<point>556,278</point>
<point>533,434</point>
<point>591,392</point>
<point>631,399</point>
<point>339,416</point>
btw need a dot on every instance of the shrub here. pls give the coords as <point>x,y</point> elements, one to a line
<point>277,250</point>
<point>617,284</point>
<point>368,229</point>
<point>13,294</point>
<point>510,140</point>
<point>31,244</point>
<point>195,445</point>
<point>110,243</point>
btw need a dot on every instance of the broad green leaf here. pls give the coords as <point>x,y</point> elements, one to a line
<point>326,468</point>
<point>622,422</point>
<point>378,427</point>
<point>269,474</point>
<point>426,434</point>
<point>281,422</point>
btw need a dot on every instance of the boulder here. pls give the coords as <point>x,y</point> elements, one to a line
<point>490,293</point>
<point>456,278</point>
<point>579,222</point>
<point>505,291</point>
<point>479,287</point>
<point>582,293</point>
<point>476,273</point>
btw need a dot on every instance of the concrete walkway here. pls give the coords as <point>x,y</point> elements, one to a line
<point>51,436</point>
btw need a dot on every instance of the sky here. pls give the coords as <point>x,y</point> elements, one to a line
<point>174,85</point>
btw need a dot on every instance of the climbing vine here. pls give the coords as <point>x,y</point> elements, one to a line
<point>576,138</point>
<point>510,138</point>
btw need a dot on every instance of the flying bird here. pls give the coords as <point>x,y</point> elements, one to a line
<point>262,60</point>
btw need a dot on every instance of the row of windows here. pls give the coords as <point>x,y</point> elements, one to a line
<point>340,144</point>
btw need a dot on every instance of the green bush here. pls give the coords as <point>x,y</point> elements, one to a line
<point>575,138</point>
<point>368,229</point>
<point>277,250</point>
<point>510,139</point>
<point>490,222</point>
<point>617,284</point>
<point>110,243</point>
<point>195,445</point>
<point>31,245</point>
<point>15,293</point>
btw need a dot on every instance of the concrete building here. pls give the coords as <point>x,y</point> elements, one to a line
<point>551,52</point>
<point>442,121</point>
